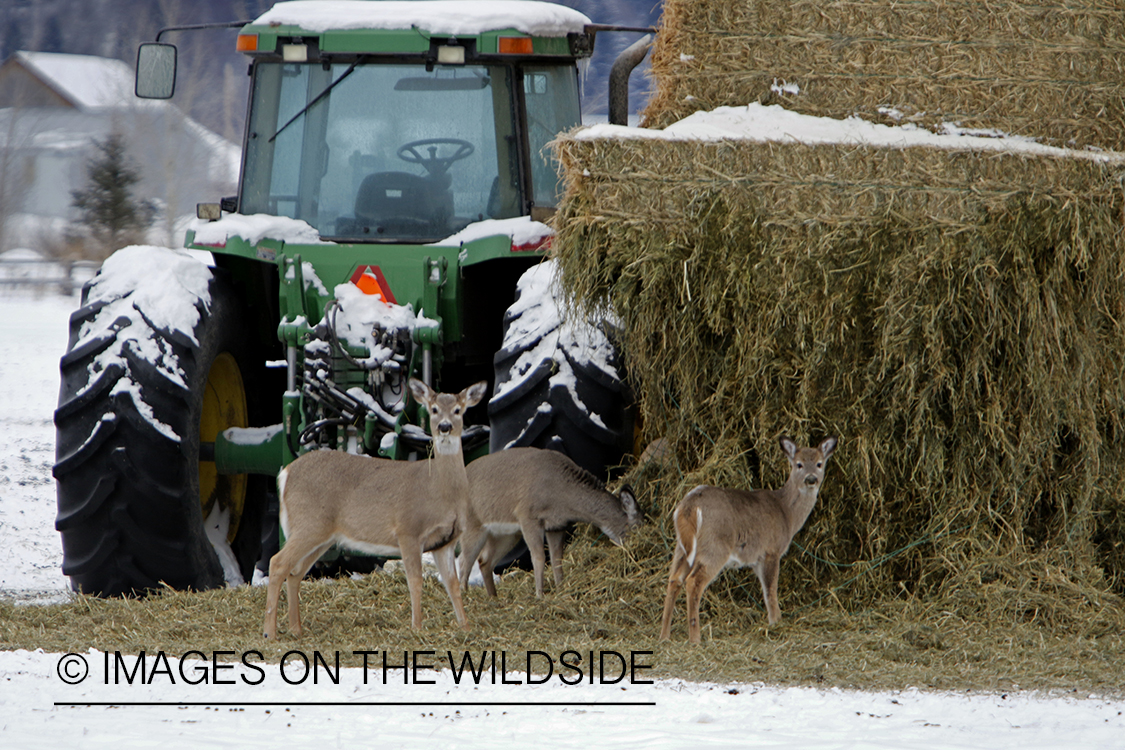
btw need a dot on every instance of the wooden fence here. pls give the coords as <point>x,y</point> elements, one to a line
<point>42,274</point>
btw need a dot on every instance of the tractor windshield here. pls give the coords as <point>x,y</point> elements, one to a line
<point>382,152</point>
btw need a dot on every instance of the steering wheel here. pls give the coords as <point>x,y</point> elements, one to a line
<point>435,165</point>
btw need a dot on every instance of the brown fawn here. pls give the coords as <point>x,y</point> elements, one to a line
<point>537,493</point>
<point>717,528</point>
<point>378,506</point>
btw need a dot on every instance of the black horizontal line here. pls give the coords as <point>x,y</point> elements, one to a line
<point>355,703</point>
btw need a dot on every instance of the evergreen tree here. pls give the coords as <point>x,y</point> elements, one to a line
<point>109,212</point>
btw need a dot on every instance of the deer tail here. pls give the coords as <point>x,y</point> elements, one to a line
<point>688,519</point>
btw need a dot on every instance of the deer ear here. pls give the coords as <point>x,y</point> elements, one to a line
<point>788,446</point>
<point>474,393</point>
<point>827,446</point>
<point>422,393</point>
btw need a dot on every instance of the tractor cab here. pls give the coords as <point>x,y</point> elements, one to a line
<point>404,122</point>
<point>389,151</point>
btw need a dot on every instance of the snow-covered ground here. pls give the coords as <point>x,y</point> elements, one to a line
<point>33,334</point>
<point>39,705</point>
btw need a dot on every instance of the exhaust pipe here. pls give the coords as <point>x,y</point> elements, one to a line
<point>619,74</point>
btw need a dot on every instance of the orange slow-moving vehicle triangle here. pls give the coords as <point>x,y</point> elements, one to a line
<point>370,280</point>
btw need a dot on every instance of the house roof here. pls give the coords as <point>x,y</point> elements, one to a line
<point>96,88</point>
<point>85,81</point>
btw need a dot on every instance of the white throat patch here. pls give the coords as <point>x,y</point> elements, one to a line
<point>444,445</point>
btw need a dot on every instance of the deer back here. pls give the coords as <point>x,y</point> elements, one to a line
<point>723,524</point>
<point>371,500</point>
<point>520,483</point>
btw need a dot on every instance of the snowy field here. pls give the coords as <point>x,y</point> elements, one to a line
<point>43,701</point>
<point>33,334</point>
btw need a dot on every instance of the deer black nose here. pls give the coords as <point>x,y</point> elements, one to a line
<point>810,479</point>
<point>445,427</point>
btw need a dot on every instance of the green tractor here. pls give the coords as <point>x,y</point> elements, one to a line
<point>388,224</point>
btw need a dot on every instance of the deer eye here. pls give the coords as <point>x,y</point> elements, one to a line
<point>800,465</point>
<point>457,410</point>
<point>819,464</point>
<point>433,410</point>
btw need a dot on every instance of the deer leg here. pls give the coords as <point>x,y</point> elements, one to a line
<point>286,564</point>
<point>447,567</point>
<point>273,593</point>
<point>411,551</point>
<point>280,570</point>
<point>697,582</point>
<point>473,542</point>
<point>293,594</point>
<point>293,583</point>
<point>487,561</point>
<point>675,582</point>
<point>768,571</point>
<point>494,549</point>
<point>533,535</point>
<point>555,547</point>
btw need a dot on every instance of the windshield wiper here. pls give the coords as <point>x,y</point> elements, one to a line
<point>317,98</point>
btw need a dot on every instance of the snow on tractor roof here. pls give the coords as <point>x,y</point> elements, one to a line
<point>454,17</point>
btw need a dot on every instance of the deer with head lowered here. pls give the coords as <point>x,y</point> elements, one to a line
<point>379,507</point>
<point>717,528</point>
<point>536,493</point>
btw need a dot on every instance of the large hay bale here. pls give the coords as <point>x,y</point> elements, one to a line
<point>1053,69</point>
<point>958,318</point>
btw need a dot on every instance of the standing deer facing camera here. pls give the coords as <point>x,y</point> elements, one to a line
<point>378,506</point>
<point>717,528</point>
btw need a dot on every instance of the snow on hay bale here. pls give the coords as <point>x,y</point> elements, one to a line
<point>957,317</point>
<point>1049,69</point>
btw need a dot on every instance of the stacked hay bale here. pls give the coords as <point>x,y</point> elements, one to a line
<point>1050,70</point>
<point>957,317</point>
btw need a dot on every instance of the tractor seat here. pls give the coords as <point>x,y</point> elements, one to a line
<point>400,202</point>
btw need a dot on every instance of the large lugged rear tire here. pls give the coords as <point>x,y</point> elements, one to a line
<point>135,391</point>
<point>558,383</point>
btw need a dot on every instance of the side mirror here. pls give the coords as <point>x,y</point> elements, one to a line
<point>156,71</point>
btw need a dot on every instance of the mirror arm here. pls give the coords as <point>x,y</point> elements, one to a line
<point>202,26</point>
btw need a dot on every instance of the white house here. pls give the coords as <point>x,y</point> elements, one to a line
<point>52,109</point>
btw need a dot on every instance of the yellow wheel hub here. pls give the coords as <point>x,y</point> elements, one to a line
<point>224,405</point>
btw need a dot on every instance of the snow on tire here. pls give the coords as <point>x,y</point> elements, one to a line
<point>558,381</point>
<point>152,324</point>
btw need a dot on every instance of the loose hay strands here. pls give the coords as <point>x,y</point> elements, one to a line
<point>956,317</point>
<point>609,602</point>
<point>1051,70</point>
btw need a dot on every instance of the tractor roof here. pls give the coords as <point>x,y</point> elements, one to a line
<point>441,17</point>
<point>398,27</point>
